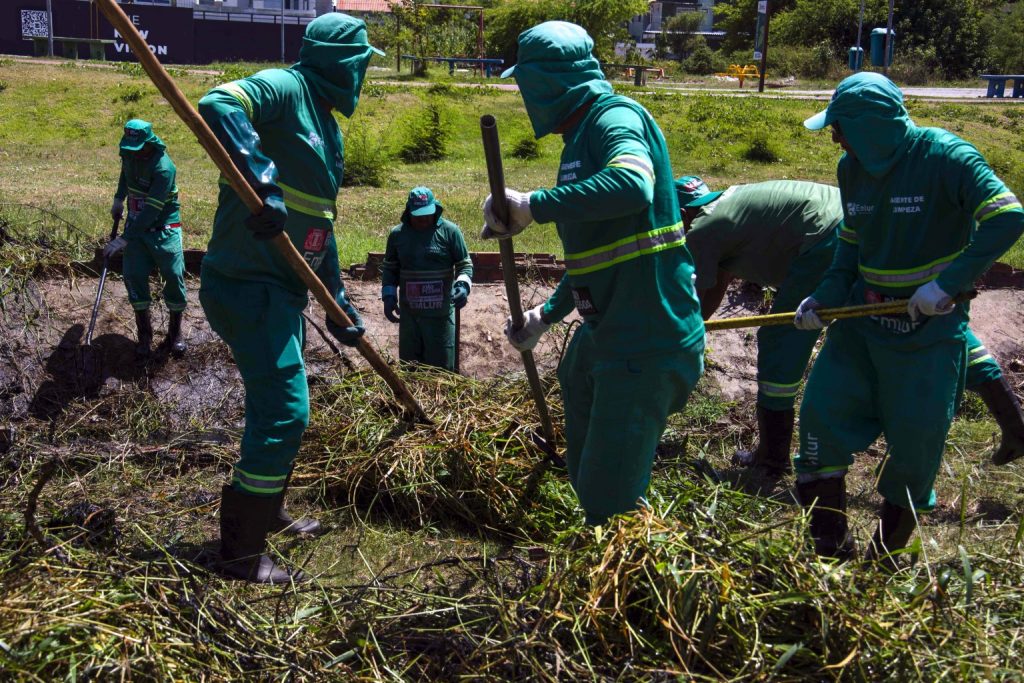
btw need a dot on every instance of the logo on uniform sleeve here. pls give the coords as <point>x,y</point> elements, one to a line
<point>316,238</point>
<point>584,302</point>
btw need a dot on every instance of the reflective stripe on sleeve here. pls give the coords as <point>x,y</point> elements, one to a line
<point>847,234</point>
<point>1001,203</point>
<point>977,355</point>
<point>258,483</point>
<point>633,163</point>
<point>239,94</point>
<point>907,277</point>
<point>625,249</point>
<point>306,203</point>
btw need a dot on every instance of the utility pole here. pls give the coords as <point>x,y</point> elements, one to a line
<point>761,41</point>
<point>49,28</point>
<point>282,30</point>
<point>860,30</point>
<point>888,40</point>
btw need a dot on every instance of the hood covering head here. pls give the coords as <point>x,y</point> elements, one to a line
<point>137,134</point>
<point>693,192</point>
<point>556,73</point>
<point>869,110</point>
<point>334,55</point>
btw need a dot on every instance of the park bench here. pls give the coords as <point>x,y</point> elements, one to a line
<point>997,85</point>
<point>741,72</point>
<point>637,71</point>
<point>69,46</point>
<point>486,65</point>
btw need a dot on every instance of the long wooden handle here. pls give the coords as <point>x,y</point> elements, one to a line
<point>884,308</point>
<point>496,177</point>
<point>169,89</point>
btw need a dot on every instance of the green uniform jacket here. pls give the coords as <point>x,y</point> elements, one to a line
<point>151,192</point>
<point>627,267</point>
<point>911,219</point>
<point>756,231</point>
<point>423,264</point>
<point>301,136</point>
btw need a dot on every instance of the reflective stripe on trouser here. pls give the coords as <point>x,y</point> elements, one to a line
<point>615,413</point>
<point>857,391</point>
<point>149,250</point>
<point>782,350</point>
<point>428,340</point>
<point>981,366</point>
<point>262,324</point>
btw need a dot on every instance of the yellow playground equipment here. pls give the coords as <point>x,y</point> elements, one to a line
<point>741,72</point>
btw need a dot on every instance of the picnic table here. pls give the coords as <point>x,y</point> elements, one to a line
<point>997,85</point>
<point>69,46</point>
<point>637,71</point>
<point>486,65</point>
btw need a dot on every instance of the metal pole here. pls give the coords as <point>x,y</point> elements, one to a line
<point>860,24</point>
<point>480,39</point>
<point>764,53</point>
<point>888,38</point>
<point>282,30</point>
<point>49,28</point>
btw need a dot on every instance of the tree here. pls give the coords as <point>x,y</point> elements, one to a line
<point>813,22</point>
<point>678,33</point>
<point>604,20</point>
<point>1005,25</point>
<point>953,28</point>
<point>738,18</point>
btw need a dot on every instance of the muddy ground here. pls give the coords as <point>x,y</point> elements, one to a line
<point>43,365</point>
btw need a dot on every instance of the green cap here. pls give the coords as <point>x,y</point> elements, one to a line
<point>136,134</point>
<point>421,202</point>
<point>694,192</point>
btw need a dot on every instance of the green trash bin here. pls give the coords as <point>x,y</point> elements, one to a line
<point>855,58</point>
<point>878,47</point>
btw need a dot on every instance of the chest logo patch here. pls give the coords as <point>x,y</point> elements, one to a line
<point>584,301</point>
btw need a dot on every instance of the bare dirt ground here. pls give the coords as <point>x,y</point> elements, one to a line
<point>41,367</point>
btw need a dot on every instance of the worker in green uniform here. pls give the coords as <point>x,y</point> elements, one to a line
<point>278,128</point>
<point>782,234</point>
<point>152,234</point>
<point>425,258</point>
<point>923,217</point>
<point>639,352</point>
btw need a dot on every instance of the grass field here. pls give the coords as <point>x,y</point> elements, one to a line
<point>454,552</point>
<point>62,123</point>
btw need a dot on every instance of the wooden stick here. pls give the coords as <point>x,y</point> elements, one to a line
<point>496,176</point>
<point>184,109</point>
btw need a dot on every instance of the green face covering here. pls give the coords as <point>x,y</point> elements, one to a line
<point>334,56</point>
<point>556,73</point>
<point>138,134</point>
<point>869,110</point>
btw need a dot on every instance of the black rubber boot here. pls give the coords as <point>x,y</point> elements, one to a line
<point>282,522</point>
<point>173,342</point>
<point>1005,408</point>
<point>775,433</point>
<point>826,500</point>
<point>895,525</point>
<point>145,326</point>
<point>244,523</point>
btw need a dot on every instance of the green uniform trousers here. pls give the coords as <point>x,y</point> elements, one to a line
<point>858,390</point>
<point>262,324</point>
<point>158,249</point>
<point>783,351</point>
<point>427,340</point>
<point>981,366</point>
<point>615,414</point>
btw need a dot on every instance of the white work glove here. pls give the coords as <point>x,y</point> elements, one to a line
<point>929,299</point>
<point>806,318</point>
<point>519,216</point>
<point>113,246</point>
<point>117,209</point>
<point>527,336</point>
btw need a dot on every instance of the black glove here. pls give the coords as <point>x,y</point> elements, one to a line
<point>269,222</point>
<point>460,293</point>
<point>391,309</point>
<point>349,336</point>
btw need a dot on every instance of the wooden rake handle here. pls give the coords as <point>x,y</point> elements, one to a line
<point>184,109</point>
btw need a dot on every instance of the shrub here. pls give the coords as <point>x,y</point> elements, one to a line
<point>701,60</point>
<point>128,93</point>
<point>367,161</point>
<point>527,148</point>
<point>762,149</point>
<point>429,132</point>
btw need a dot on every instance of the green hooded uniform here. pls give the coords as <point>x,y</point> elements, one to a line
<point>639,353</point>
<point>280,122</point>
<point>919,205</point>
<point>782,234</point>
<point>153,228</point>
<point>421,265</point>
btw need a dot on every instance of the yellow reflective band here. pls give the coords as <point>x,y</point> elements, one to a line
<point>777,390</point>
<point>847,234</point>
<point>239,94</point>
<point>907,277</point>
<point>156,203</point>
<point>309,204</point>
<point>633,163</point>
<point>625,249</point>
<point>1001,203</point>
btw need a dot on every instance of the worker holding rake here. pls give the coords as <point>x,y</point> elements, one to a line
<point>278,128</point>
<point>639,352</point>
<point>923,217</point>
<point>152,233</point>
<point>783,234</point>
<point>427,263</point>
